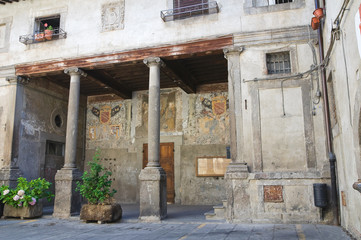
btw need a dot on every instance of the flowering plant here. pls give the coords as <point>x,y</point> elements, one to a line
<point>26,193</point>
<point>48,27</point>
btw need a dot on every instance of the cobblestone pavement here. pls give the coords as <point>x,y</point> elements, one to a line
<point>180,225</point>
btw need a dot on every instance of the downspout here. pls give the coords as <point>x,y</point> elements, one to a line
<point>326,111</point>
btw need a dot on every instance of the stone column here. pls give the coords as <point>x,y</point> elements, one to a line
<point>9,169</point>
<point>153,185</point>
<point>67,201</point>
<point>238,202</point>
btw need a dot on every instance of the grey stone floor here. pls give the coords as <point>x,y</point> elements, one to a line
<point>183,222</point>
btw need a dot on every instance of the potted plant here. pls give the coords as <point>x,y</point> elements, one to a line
<point>24,200</point>
<point>48,31</point>
<point>95,187</point>
<point>39,36</point>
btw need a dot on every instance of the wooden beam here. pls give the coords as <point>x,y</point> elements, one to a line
<point>180,76</point>
<point>185,50</point>
<point>104,78</point>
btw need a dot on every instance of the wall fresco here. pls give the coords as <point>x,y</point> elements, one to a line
<point>208,119</point>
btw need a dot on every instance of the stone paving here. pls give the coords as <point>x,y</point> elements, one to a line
<point>188,224</point>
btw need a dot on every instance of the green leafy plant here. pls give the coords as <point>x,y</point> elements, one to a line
<point>26,193</point>
<point>48,27</point>
<point>95,185</point>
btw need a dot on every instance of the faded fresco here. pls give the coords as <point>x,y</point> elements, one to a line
<point>208,119</point>
<point>108,123</point>
<point>167,112</point>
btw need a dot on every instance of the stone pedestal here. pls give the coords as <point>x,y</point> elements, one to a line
<point>238,197</point>
<point>153,194</point>
<point>67,200</point>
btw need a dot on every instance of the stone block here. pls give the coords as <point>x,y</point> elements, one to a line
<point>67,200</point>
<point>101,213</point>
<point>153,194</point>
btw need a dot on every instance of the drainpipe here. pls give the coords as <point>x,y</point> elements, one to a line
<point>326,111</point>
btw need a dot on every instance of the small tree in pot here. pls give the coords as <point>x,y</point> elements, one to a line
<point>95,187</point>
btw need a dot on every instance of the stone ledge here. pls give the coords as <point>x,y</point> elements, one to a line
<point>152,174</point>
<point>285,175</point>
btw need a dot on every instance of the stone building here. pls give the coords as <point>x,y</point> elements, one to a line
<point>342,53</point>
<point>171,85</point>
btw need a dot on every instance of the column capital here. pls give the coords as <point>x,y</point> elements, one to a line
<point>75,71</point>
<point>233,50</point>
<point>153,61</point>
<point>18,79</point>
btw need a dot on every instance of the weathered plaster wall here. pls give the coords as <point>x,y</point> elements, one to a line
<point>90,32</point>
<point>41,102</point>
<point>344,72</point>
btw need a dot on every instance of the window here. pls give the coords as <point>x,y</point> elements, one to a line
<point>278,63</point>
<point>273,2</point>
<point>45,29</point>
<point>189,8</point>
<point>266,6</point>
<point>261,3</point>
<point>55,148</point>
<point>47,23</point>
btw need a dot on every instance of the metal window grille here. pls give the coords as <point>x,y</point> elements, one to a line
<point>278,62</point>
<point>185,9</point>
<point>283,1</point>
<point>273,2</point>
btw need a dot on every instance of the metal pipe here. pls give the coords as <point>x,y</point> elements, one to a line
<point>326,111</point>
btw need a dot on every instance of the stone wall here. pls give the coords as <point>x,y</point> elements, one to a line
<point>343,74</point>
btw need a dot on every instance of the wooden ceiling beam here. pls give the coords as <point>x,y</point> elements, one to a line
<point>184,50</point>
<point>109,82</point>
<point>180,76</point>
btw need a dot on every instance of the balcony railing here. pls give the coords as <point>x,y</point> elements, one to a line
<point>39,37</point>
<point>189,11</point>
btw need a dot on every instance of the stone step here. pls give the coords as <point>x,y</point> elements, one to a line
<point>224,203</point>
<point>220,211</point>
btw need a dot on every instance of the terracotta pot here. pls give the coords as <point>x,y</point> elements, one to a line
<point>49,34</point>
<point>315,23</point>
<point>39,37</point>
<point>23,212</point>
<point>318,13</point>
<point>101,213</point>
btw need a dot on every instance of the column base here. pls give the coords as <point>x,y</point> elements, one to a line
<point>153,194</point>
<point>67,201</point>
<point>9,176</point>
<point>238,197</point>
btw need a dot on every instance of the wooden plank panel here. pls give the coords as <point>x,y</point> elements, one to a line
<point>166,160</point>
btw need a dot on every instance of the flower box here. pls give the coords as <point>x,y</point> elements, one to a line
<point>101,213</point>
<point>23,212</point>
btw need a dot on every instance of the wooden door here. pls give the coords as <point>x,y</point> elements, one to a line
<point>166,160</point>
